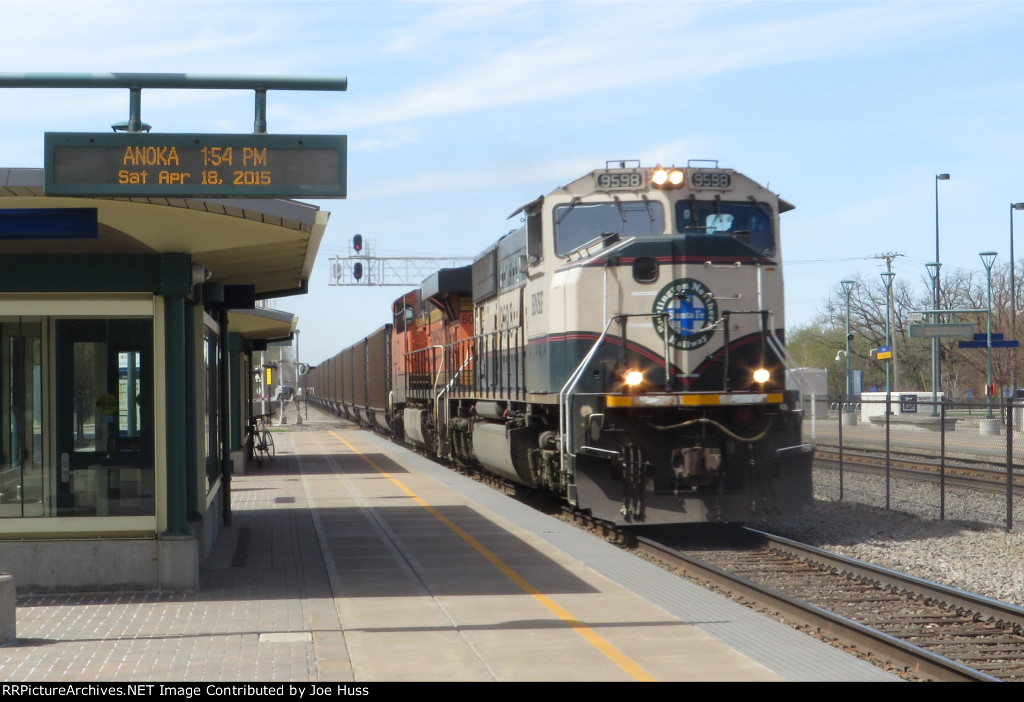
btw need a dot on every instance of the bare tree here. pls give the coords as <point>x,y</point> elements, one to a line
<point>962,369</point>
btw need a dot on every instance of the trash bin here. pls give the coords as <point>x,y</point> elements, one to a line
<point>1018,409</point>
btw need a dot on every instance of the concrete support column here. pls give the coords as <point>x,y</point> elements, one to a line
<point>226,418</point>
<point>174,355</point>
<point>8,610</point>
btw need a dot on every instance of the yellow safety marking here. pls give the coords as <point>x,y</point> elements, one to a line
<point>690,400</point>
<point>616,656</point>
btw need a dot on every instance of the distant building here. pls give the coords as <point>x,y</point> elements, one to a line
<point>809,381</point>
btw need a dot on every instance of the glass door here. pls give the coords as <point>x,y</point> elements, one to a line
<point>104,391</point>
<point>21,419</point>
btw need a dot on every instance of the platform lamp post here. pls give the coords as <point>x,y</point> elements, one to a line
<point>887,277</point>
<point>940,176</point>
<point>298,381</point>
<point>987,259</point>
<point>1013,303</point>
<point>936,295</point>
<point>933,273</point>
<point>848,286</point>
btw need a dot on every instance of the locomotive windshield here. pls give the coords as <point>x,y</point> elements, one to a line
<point>750,222</point>
<point>577,223</point>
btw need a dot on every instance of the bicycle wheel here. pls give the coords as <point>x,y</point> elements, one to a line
<point>268,444</point>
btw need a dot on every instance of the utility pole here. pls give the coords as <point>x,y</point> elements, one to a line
<point>888,257</point>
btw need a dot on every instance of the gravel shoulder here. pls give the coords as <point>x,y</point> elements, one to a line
<point>969,555</point>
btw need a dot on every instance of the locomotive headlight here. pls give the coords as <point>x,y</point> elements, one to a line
<point>633,378</point>
<point>761,375</point>
<point>667,177</point>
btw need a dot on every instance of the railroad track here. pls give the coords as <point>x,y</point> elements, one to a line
<point>915,628</point>
<point>919,466</point>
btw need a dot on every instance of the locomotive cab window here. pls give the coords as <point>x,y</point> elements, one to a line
<point>579,223</point>
<point>534,238</point>
<point>749,222</point>
<point>403,319</point>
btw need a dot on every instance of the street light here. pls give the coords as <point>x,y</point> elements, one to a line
<point>1013,303</point>
<point>987,259</point>
<point>298,381</point>
<point>848,286</point>
<point>940,176</point>
<point>933,273</point>
<point>887,277</point>
<point>936,360</point>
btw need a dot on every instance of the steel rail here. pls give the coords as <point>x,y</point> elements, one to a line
<point>899,654</point>
<point>977,605</point>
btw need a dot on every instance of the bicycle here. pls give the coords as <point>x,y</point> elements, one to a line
<point>259,440</point>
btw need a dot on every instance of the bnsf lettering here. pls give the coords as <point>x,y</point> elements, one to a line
<point>151,156</point>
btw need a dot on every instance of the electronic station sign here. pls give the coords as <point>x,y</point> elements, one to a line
<point>195,165</point>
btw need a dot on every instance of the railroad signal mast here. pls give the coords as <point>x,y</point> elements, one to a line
<point>360,268</point>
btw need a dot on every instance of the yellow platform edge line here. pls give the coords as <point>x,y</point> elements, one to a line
<point>620,659</point>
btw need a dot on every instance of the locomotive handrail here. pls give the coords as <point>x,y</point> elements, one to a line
<point>447,387</point>
<point>773,340</point>
<point>441,422</point>
<point>440,366</point>
<point>487,345</point>
<point>565,425</point>
<point>780,349</point>
<point>563,395</point>
<point>455,376</point>
<point>725,344</point>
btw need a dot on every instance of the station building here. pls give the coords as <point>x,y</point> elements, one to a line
<point>127,333</point>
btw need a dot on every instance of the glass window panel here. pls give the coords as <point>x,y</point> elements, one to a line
<point>211,352</point>
<point>21,466</point>
<point>578,223</point>
<point>748,222</point>
<point>104,417</point>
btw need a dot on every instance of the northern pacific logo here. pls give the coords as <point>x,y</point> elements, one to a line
<point>691,313</point>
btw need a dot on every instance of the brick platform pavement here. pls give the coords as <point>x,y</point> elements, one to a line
<point>263,613</point>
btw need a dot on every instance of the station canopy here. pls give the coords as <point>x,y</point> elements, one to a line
<point>267,243</point>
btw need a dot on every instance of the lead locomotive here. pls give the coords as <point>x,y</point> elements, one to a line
<point>622,348</point>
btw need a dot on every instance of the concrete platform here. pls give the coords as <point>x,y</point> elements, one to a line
<point>351,560</point>
<point>916,422</point>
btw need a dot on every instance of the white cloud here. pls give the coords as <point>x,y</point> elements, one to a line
<point>625,46</point>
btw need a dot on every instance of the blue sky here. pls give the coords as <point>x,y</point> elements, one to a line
<point>459,112</point>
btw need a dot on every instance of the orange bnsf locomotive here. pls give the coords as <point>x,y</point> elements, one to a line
<point>622,348</point>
